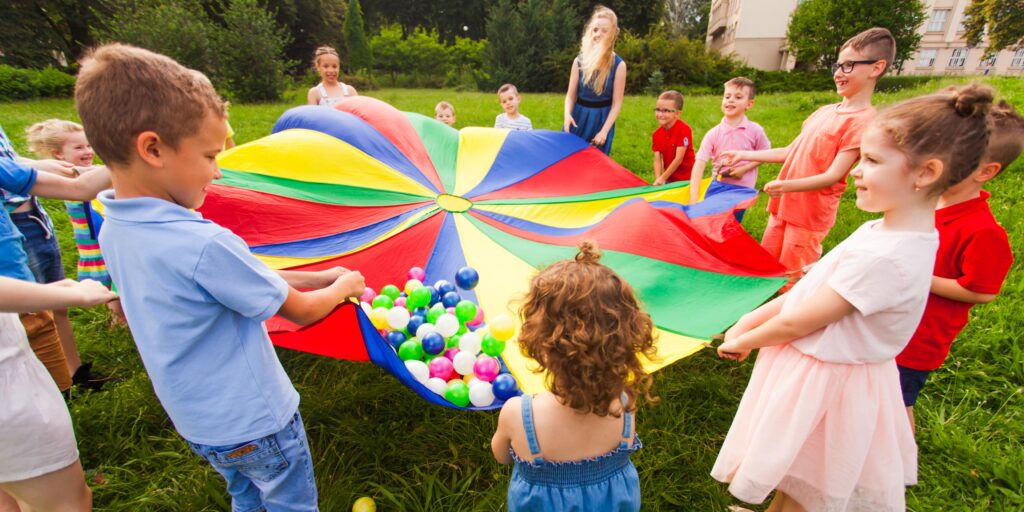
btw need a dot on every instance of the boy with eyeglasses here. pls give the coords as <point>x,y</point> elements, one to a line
<point>672,141</point>
<point>805,197</point>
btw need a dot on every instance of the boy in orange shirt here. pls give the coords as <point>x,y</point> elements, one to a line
<point>805,197</point>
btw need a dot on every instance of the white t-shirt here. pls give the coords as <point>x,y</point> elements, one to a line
<point>520,123</point>
<point>886,276</point>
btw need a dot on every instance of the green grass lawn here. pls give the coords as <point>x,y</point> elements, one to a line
<point>371,436</point>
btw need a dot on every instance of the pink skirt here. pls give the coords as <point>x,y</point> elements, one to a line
<point>831,436</point>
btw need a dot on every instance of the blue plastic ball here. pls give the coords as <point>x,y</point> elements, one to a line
<point>435,296</point>
<point>395,338</point>
<point>450,299</point>
<point>415,321</point>
<point>504,386</point>
<point>421,311</point>
<point>433,343</point>
<point>467,278</point>
<point>444,287</point>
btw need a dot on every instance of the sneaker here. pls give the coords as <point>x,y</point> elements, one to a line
<point>86,378</point>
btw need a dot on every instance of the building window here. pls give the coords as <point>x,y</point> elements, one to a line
<point>1018,59</point>
<point>958,58</point>
<point>926,58</point>
<point>989,62</point>
<point>938,21</point>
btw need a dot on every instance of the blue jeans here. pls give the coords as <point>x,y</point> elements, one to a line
<point>273,473</point>
<point>40,246</point>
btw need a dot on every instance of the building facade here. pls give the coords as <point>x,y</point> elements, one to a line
<point>754,31</point>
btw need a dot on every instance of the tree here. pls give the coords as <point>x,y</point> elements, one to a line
<point>176,28</point>
<point>390,50</point>
<point>359,56</point>
<point>506,38</point>
<point>251,52</point>
<point>1002,19</point>
<point>531,43</point>
<point>688,18</point>
<point>635,16</point>
<point>311,23</point>
<point>44,33</point>
<point>818,28</point>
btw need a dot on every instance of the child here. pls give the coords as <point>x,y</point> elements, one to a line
<point>821,420</point>
<point>672,141</point>
<point>734,133</point>
<point>973,260</point>
<point>329,92</point>
<point>509,98</point>
<point>445,112</point>
<point>597,83</point>
<point>66,141</point>
<point>805,197</point>
<point>571,446</point>
<point>40,460</point>
<point>194,296</point>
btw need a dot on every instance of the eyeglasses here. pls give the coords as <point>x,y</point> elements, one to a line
<point>848,66</point>
<point>666,110</point>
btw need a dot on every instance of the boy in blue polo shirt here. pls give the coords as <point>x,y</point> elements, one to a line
<point>194,297</point>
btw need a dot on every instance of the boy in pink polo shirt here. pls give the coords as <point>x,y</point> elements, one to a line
<point>672,141</point>
<point>805,197</point>
<point>734,133</point>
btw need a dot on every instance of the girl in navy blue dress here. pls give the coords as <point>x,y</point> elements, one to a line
<point>571,445</point>
<point>597,83</point>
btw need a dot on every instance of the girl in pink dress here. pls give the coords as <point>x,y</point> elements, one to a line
<point>822,420</point>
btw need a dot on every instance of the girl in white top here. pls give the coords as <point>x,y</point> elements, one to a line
<point>822,419</point>
<point>329,92</point>
<point>39,468</point>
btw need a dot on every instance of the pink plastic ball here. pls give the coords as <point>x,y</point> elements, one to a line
<point>441,367</point>
<point>451,310</point>
<point>368,295</point>
<point>486,368</point>
<point>450,353</point>
<point>478,319</point>
<point>400,302</point>
<point>417,273</point>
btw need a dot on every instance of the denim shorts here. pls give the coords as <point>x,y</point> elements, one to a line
<point>272,473</point>
<point>40,246</point>
<point>911,382</point>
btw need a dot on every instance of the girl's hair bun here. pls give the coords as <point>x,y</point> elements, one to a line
<point>972,100</point>
<point>589,253</point>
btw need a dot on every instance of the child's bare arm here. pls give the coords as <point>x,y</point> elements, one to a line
<point>774,155</point>
<point>502,441</point>
<point>304,308</point>
<point>951,289</point>
<point>84,188</point>
<point>840,167</point>
<point>676,162</point>
<point>740,170</point>
<point>658,168</point>
<point>313,280</point>
<point>52,166</point>
<point>25,297</point>
<point>826,306</point>
<point>696,176</point>
<point>312,96</point>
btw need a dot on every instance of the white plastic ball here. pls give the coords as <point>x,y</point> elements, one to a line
<point>419,370</point>
<point>447,325</point>
<point>398,318</point>
<point>437,385</point>
<point>463,362</point>
<point>481,396</point>
<point>470,343</point>
<point>424,329</point>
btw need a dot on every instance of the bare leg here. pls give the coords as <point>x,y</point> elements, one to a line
<point>8,503</point>
<point>783,503</point>
<point>63,490</point>
<point>67,339</point>
<point>910,416</point>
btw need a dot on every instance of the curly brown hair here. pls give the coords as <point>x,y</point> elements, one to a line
<point>583,324</point>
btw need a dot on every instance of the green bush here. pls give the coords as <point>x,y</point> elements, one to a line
<point>15,84</point>
<point>23,84</point>
<point>250,49</point>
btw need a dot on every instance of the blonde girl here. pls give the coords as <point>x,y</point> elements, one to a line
<point>597,82</point>
<point>329,92</point>
<point>822,420</point>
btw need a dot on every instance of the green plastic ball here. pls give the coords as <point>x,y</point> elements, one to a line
<point>410,350</point>
<point>465,311</point>
<point>391,291</point>
<point>383,301</point>
<point>453,341</point>
<point>491,346</point>
<point>457,393</point>
<point>418,298</point>
<point>435,312</point>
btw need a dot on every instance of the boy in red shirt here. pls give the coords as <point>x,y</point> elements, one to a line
<point>672,141</point>
<point>805,197</point>
<point>973,260</point>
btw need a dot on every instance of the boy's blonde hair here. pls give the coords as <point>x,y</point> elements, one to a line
<point>1007,140</point>
<point>674,96</point>
<point>444,106</point>
<point>46,138</point>
<point>875,43</point>
<point>508,87</point>
<point>742,81</point>
<point>123,91</point>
